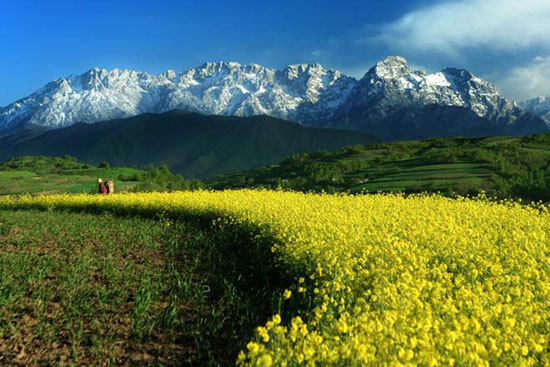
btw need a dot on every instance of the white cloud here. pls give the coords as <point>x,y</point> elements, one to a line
<point>527,81</point>
<point>505,25</point>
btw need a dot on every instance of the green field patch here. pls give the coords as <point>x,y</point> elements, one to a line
<point>423,164</point>
<point>457,175</point>
<point>16,174</point>
<point>45,175</point>
<point>372,189</point>
<point>536,150</point>
<point>393,185</point>
<point>430,176</point>
<point>499,140</point>
<point>101,290</point>
<point>369,155</point>
<point>429,172</point>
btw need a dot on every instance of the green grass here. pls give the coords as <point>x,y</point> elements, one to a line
<point>16,175</point>
<point>100,290</point>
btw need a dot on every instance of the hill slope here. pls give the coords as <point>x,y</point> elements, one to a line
<point>191,144</point>
<point>504,166</point>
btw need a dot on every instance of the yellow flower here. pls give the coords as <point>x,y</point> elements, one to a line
<point>253,347</point>
<point>264,361</point>
<point>524,350</point>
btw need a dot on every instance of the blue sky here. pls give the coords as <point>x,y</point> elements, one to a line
<point>505,41</point>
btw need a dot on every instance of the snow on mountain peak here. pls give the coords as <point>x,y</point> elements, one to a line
<point>437,79</point>
<point>391,84</point>
<point>226,88</point>
<point>391,67</point>
<point>305,93</point>
<point>539,106</point>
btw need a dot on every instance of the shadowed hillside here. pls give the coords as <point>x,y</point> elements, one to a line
<point>191,144</point>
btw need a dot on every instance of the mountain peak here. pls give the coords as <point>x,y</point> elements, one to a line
<point>294,71</point>
<point>390,68</point>
<point>96,70</point>
<point>169,74</point>
<point>304,66</point>
<point>395,59</point>
<point>542,99</point>
<point>539,106</point>
<point>220,65</point>
<point>459,73</point>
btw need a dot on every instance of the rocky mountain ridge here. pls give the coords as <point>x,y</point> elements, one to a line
<point>539,106</point>
<point>305,93</point>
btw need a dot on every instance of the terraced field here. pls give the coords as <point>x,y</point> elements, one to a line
<point>420,175</point>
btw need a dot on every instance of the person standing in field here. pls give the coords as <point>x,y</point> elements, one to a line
<point>110,187</point>
<point>101,187</point>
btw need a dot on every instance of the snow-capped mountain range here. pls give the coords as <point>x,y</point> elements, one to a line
<point>539,106</point>
<point>213,88</point>
<point>305,93</point>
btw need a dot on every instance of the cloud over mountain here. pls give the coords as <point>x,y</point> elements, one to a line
<point>529,80</point>
<point>449,27</point>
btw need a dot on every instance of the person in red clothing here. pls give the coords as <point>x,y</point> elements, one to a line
<point>102,188</point>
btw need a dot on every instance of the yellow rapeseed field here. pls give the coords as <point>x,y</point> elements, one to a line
<point>394,281</point>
